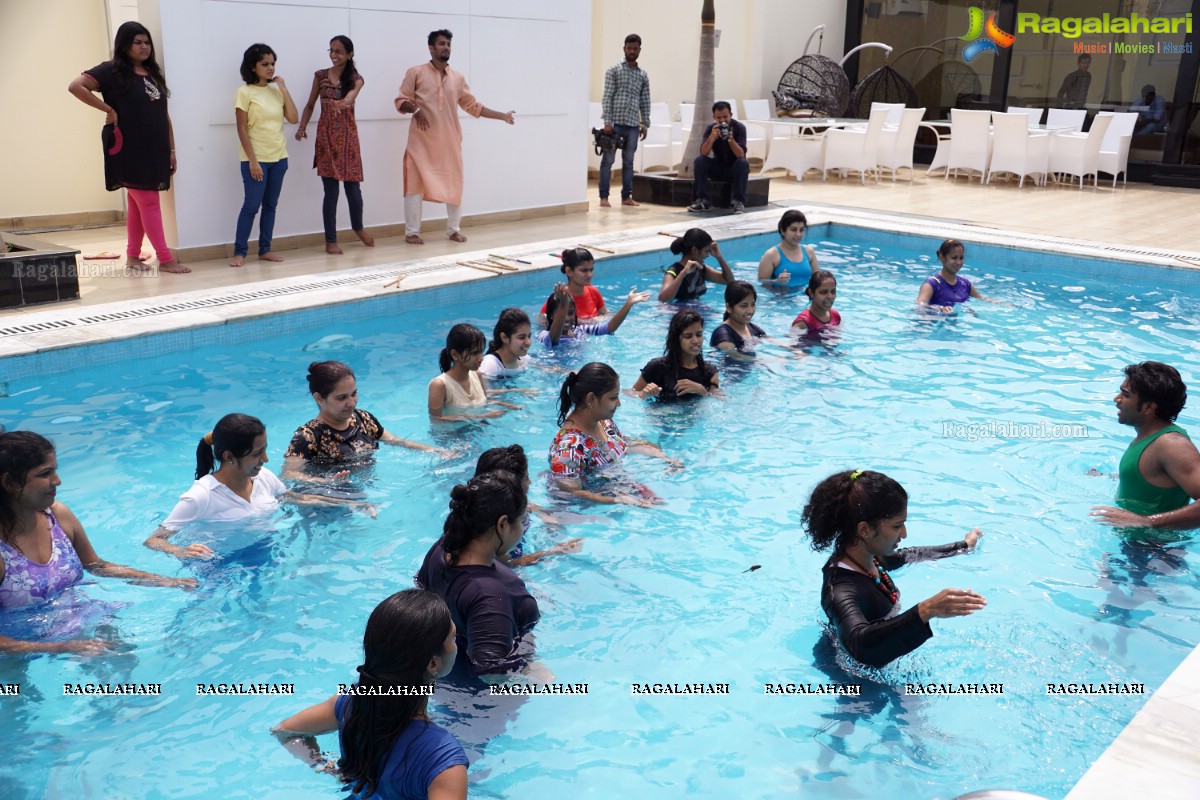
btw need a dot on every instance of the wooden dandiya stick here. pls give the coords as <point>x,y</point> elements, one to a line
<point>396,282</point>
<point>509,258</point>
<point>506,267</point>
<point>672,235</point>
<point>594,247</point>
<point>482,267</point>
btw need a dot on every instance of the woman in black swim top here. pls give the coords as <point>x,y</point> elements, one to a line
<point>861,514</point>
<point>686,279</point>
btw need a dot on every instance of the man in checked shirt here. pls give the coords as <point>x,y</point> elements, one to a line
<point>625,109</point>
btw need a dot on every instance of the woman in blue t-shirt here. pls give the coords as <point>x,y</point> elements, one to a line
<point>947,289</point>
<point>390,749</point>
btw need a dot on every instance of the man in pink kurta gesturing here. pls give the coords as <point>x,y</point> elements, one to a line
<point>433,164</point>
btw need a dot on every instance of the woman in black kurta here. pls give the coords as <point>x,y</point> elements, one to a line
<point>139,144</point>
<point>861,514</point>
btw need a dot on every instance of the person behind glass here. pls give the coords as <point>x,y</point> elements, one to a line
<point>459,385</point>
<point>260,108</point>
<point>43,547</point>
<point>579,267</point>
<point>512,459</point>
<point>390,748</point>
<point>686,279</point>
<point>861,515</point>
<point>789,263</point>
<point>341,432</point>
<point>736,336</point>
<point>588,439</point>
<point>563,322</point>
<point>337,156</point>
<point>625,110</point>
<point>722,158</point>
<point>507,351</point>
<point>681,372</point>
<point>240,487</point>
<point>1074,90</point>
<point>139,142</point>
<point>820,318</point>
<point>491,608</point>
<point>1152,113</point>
<point>947,289</point>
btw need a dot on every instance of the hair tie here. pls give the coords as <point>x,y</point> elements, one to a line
<point>208,438</point>
<point>855,475</point>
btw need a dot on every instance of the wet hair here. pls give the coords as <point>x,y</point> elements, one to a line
<point>510,320</point>
<point>692,239</point>
<point>254,54</point>
<point>592,378</point>
<point>233,433</point>
<point>552,306</point>
<point>1159,383</point>
<point>574,256</point>
<point>441,33</point>
<point>324,376</point>
<point>791,217</point>
<point>633,38</point>
<point>736,292</point>
<point>21,452</point>
<point>463,337</point>
<point>673,351</point>
<point>948,245</point>
<point>507,459</point>
<point>404,633</point>
<point>816,279</point>
<point>841,501</point>
<point>722,105</point>
<point>124,64</point>
<point>349,71</point>
<point>475,507</point>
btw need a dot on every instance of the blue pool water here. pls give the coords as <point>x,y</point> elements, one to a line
<point>658,595</point>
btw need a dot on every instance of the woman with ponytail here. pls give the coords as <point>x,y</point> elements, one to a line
<point>459,385</point>
<point>579,266</point>
<point>491,608</point>
<point>390,748</point>
<point>687,279</point>
<point>860,514</point>
<point>44,549</point>
<point>337,157</point>
<point>588,440</point>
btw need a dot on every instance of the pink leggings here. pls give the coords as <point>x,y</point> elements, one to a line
<point>143,217</point>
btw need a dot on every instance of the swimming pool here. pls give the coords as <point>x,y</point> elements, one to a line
<point>656,596</point>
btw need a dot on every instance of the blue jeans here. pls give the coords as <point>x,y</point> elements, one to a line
<point>630,134</point>
<point>737,173</point>
<point>264,194</point>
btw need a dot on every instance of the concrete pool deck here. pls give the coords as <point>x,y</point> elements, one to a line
<point>1153,756</point>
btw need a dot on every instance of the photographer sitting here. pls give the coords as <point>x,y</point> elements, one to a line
<point>723,158</point>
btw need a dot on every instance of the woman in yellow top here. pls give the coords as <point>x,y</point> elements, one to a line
<point>261,106</point>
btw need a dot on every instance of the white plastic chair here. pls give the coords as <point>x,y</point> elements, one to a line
<point>1017,149</point>
<point>655,150</point>
<point>895,113</point>
<point>1066,118</point>
<point>1079,153</point>
<point>855,148</point>
<point>761,109</point>
<point>1035,114</point>
<point>896,144</point>
<point>970,142</point>
<point>1114,150</point>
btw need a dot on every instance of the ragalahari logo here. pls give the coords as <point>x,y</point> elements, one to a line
<point>996,38</point>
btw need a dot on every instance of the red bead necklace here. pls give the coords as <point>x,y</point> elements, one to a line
<point>882,580</point>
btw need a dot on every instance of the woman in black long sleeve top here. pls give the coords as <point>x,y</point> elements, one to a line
<point>861,514</point>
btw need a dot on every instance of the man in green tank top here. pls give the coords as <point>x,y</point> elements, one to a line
<point>1160,471</point>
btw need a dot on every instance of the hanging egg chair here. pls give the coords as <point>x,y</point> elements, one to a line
<point>812,85</point>
<point>950,83</point>
<point>884,85</point>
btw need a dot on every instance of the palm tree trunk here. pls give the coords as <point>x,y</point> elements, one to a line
<point>705,77</point>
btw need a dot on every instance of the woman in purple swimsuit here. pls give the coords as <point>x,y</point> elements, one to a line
<point>946,289</point>
<point>43,548</point>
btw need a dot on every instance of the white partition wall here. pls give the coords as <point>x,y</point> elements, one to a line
<point>531,56</point>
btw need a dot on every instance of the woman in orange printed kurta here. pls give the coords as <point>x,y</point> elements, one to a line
<point>433,165</point>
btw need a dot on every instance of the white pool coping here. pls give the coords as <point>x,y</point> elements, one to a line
<point>1154,756</point>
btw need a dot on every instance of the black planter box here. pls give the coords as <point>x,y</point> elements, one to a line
<point>36,272</point>
<point>665,189</point>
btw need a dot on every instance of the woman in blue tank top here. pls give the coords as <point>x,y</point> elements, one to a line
<point>789,263</point>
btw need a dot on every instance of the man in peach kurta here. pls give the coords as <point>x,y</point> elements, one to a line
<point>433,163</point>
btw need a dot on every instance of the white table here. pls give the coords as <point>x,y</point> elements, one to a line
<point>804,148</point>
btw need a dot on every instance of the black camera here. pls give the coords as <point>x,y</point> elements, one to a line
<point>724,129</point>
<point>606,142</point>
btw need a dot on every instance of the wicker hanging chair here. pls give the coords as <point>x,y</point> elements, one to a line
<point>950,83</point>
<point>813,84</point>
<point>884,85</point>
